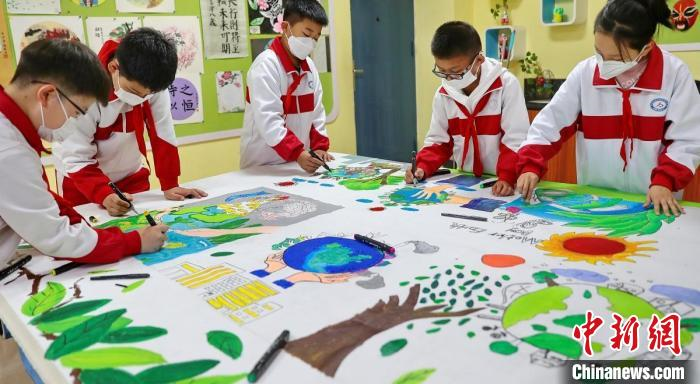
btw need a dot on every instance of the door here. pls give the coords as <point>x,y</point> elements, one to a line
<point>385,78</point>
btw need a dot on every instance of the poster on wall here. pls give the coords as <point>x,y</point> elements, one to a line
<point>146,6</point>
<point>186,99</point>
<point>686,33</point>
<point>265,16</point>
<point>101,29</point>
<point>184,30</point>
<point>28,29</point>
<point>229,91</point>
<point>34,6</point>
<point>89,3</point>
<point>224,28</point>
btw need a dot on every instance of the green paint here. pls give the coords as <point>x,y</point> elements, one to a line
<point>333,254</point>
<point>404,283</point>
<point>133,286</point>
<point>482,298</point>
<point>68,311</point>
<point>471,334</point>
<point>415,377</point>
<point>419,278</point>
<point>370,183</point>
<point>570,321</point>
<point>107,376</point>
<point>409,326</point>
<point>100,271</point>
<point>442,321</point>
<point>133,335</point>
<point>393,346</point>
<point>557,343</point>
<point>232,379</point>
<point>101,358</point>
<point>627,304</point>
<point>475,273</point>
<point>221,254</point>
<point>587,294</point>
<point>82,335</point>
<point>540,302</point>
<point>539,328</point>
<point>226,342</point>
<point>639,223</point>
<point>692,324</point>
<point>505,277</point>
<point>686,337</point>
<point>597,347</point>
<point>42,301</point>
<point>168,373</point>
<point>120,323</point>
<point>464,321</point>
<point>503,347</point>
<point>61,326</point>
<point>433,330</point>
<point>459,266</point>
<point>542,276</point>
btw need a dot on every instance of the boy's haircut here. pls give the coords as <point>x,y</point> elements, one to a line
<point>147,57</point>
<point>455,38</point>
<point>68,64</point>
<point>298,10</point>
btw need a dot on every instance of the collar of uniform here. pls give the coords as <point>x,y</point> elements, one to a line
<point>649,81</point>
<point>19,119</point>
<point>284,58</point>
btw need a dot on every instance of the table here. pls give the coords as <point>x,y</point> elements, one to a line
<point>271,249</point>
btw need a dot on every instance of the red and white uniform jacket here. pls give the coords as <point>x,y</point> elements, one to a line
<point>625,139</point>
<point>492,121</point>
<point>110,146</point>
<point>284,112</point>
<point>30,211</point>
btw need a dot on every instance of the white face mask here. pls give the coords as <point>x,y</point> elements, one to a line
<point>57,134</point>
<point>301,47</point>
<point>467,79</point>
<point>613,68</point>
<point>128,97</point>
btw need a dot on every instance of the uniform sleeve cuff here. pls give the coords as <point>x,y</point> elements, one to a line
<point>532,168</point>
<point>100,196</point>
<point>166,184</point>
<point>133,243</point>
<point>663,180</point>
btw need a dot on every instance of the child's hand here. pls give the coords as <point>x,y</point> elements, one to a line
<point>420,174</point>
<point>324,155</point>
<point>526,184</point>
<point>308,163</point>
<point>179,193</point>
<point>153,238</point>
<point>662,197</point>
<point>502,188</point>
<point>116,206</point>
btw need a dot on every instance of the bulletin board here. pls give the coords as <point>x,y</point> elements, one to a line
<point>215,124</point>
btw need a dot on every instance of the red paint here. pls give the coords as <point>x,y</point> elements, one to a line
<point>286,184</point>
<point>502,261</point>
<point>594,246</point>
<point>377,209</point>
<point>513,209</point>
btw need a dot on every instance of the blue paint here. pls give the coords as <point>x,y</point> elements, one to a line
<point>686,295</point>
<point>364,201</point>
<point>462,180</point>
<point>581,274</point>
<point>312,181</point>
<point>484,204</point>
<point>245,196</point>
<point>191,245</point>
<point>327,185</point>
<point>298,180</point>
<point>332,255</point>
<point>410,209</point>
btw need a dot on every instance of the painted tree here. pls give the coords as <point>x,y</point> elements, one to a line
<point>326,349</point>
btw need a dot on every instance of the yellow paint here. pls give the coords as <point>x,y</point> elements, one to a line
<point>191,267</point>
<point>219,302</point>
<point>236,319</point>
<point>208,275</point>
<point>251,313</point>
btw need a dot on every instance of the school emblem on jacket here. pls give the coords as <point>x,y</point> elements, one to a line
<point>311,84</point>
<point>659,104</point>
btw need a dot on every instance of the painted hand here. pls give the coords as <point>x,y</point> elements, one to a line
<point>275,262</point>
<point>428,193</point>
<point>526,185</point>
<point>662,199</point>
<point>325,278</point>
<point>502,188</point>
<point>179,193</point>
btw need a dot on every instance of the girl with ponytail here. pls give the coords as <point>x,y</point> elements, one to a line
<point>634,108</point>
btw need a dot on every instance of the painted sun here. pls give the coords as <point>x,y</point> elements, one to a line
<point>593,248</point>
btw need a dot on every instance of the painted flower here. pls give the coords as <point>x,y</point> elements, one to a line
<point>277,26</point>
<point>263,5</point>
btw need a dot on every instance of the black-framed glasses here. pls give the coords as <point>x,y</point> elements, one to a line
<point>455,76</point>
<point>82,111</point>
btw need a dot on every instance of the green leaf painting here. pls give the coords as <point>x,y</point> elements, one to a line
<point>231,379</point>
<point>83,335</point>
<point>415,377</point>
<point>44,300</point>
<point>114,357</point>
<point>168,373</point>
<point>393,346</point>
<point>133,335</point>
<point>226,342</point>
<point>133,286</point>
<point>68,311</point>
<point>107,376</point>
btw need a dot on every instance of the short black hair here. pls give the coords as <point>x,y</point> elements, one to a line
<point>633,22</point>
<point>68,64</point>
<point>298,10</point>
<point>148,57</point>
<point>455,38</point>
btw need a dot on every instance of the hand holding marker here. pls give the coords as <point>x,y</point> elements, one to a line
<point>119,193</point>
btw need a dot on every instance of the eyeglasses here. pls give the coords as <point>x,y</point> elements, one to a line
<point>455,76</point>
<point>82,111</point>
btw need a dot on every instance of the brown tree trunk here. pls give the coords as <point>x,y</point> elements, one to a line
<point>326,349</point>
